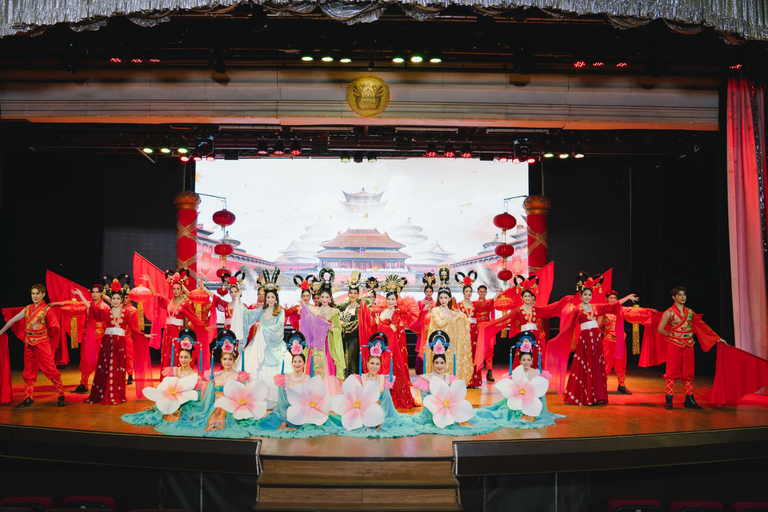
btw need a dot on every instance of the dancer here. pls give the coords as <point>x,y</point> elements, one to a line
<point>439,343</point>
<point>263,357</point>
<point>296,346</point>
<point>40,327</point>
<point>422,324</point>
<point>456,325</point>
<point>466,306</point>
<point>86,366</point>
<point>179,309</point>
<point>678,324</point>
<point>231,283</point>
<point>131,311</point>
<point>377,346</point>
<point>293,314</point>
<point>616,360</point>
<point>349,324</point>
<point>484,312</point>
<point>109,383</point>
<point>218,418</point>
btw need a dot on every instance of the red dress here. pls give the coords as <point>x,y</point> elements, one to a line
<point>174,323</point>
<point>222,305</point>
<point>477,379</point>
<point>87,366</point>
<point>587,382</point>
<point>485,312</point>
<point>109,383</point>
<point>293,315</point>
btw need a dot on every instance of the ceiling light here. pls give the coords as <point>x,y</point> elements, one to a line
<point>466,150</point>
<point>279,148</point>
<point>448,151</point>
<point>416,58</point>
<point>296,147</point>
<point>431,150</point>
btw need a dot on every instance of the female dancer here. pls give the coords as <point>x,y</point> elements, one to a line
<point>231,283</point>
<point>296,345</point>
<point>293,314</point>
<point>349,325</point>
<point>467,307</point>
<point>109,383</point>
<point>179,311</point>
<point>421,325</point>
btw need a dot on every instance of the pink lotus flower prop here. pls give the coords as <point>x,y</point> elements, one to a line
<point>296,349</point>
<point>309,402</point>
<point>439,348</point>
<point>447,403</point>
<point>376,351</point>
<point>522,394</point>
<point>228,348</point>
<point>172,393</point>
<point>244,401</point>
<point>357,404</point>
<point>186,345</point>
<point>526,346</point>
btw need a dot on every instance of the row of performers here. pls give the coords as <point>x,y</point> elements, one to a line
<point>337,331</point>
<point>233,403</point>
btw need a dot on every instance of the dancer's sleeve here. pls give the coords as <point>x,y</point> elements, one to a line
<point>707,337</point>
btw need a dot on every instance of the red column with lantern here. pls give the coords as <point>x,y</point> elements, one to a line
<point>186,233</point>
<point>536,209</point>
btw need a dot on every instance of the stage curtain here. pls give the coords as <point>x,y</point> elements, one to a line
<point>747,18</point>
<point>738,373</point>
<point>746,161</point>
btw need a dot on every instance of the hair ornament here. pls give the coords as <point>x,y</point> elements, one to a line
<point>117,284</point>
<point>394,283</point>
<point>354,280</point>
<point>296,343</point>
<point>304,283</point>
<point>429,280</point>
<point>439,342</point>
<point>378,344</point>
<point>465,280</point>
<point>593,283</point>
<point>270,282</point>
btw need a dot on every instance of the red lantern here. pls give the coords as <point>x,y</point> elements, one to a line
<point>73,309</point>
<point>504,250</point>
<point>505,275</point>
<point>223,249</point>
<point>140,295</point>
<point>221,271</point>
<point>502,303</point>
<point>504,221</point>
<point>222,291</point>
<point>198,297</point>
<point>224,218</point>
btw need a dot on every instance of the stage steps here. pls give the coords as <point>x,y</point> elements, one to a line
<point>317,483</point>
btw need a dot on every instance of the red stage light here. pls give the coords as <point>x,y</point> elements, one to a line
<point>598,64</point>
<point>621,64</point>
<point>137,61</point>
<point>296,152</point>
<point>531,160</point>
<point>450,154</point>
<point>579,64</point>
<point>210,158</point>
<point>197,158</point>
<point>430,154</point>
<point>154,61</point>
<point>184,158</point>
<point>116,60</point>
<point>735,66</point>
<point>503,159</point>
<point>515,160</point>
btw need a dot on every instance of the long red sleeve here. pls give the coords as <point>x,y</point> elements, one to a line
<point>53,324</point>
<point>707,337</point>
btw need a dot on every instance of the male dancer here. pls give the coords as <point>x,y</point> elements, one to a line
<point>608,328</point>
<point>40,327</point>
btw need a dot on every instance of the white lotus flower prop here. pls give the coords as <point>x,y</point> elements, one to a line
<point>522,394</point>
<point>357,404</point>
<point>309,402</point>
<point>447,403</point>
<point>172,393</point>
<point>244,401</point>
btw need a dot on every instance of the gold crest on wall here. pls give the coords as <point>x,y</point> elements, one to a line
<point>368,95</point>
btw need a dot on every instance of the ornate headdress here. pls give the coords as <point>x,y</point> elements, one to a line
<point>180,276</point>
<point>270,283</point>
<point>394,283</point>
<point>372,284</point>
<point>439,342</point>
<point>354,280</point>
<point>378,344</point>
<point>465,280</point>
<point>429,280</point>
<point>230,280</point>
<point>524,343</point>
<point>522,284</point>
<point>444,273</point>
<point>227,342</point>
<point>187,339</point>
<point>592,283</point>
<point>304,283</point>
<point>117,284</point>
<point>326,277</point>
<point>296,343</point>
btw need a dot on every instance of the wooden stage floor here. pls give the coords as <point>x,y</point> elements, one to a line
<point>639,414</point>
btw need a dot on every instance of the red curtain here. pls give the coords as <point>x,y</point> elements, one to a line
<point>746,162</point>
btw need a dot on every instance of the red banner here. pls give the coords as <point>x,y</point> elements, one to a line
<point>737,373</point>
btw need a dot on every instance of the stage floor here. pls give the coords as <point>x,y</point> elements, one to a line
<point>625,415</point>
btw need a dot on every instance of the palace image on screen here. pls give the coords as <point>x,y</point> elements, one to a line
<point>406,217</point>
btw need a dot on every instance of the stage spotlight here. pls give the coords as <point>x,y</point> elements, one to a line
<point>154,61</point>
<point>531,160</point>
<point>196,157</point>
<point>431,150</point>
<point>503,159</point>
<point>578,151</point>
<point>279,148</point>
<point>204,146</point>
<point>345,158</point>
<point>165,150</point>
<point>578,64</point>
<point>435,58</point>
<point>515,159</point>
<point>216,61</point>
<point>466,150</point>
<point>622,64</point>
<point>306,55</point>
<point>735,66</point>
<point>148,150</point>
<point>358,157</point>
<point>296,147</point>
<point>184,158</point>
<point>448,151</point>
<point>183,150</point>
<point>210,158</point>
<point>598,63</point>
<point>563,155</point>
<point>345,60</point>
<point>523,149</point>
<point>327,58</point>
<point>416,58</point>
<point>115,60</point>
<point>262,148</point>
<point>398,57</point>
<point>372,157</point>
<point>549,151</point>
<point>345,57</point>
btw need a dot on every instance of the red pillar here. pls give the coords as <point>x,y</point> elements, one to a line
<point>186,233</point>
<point>536,209</point>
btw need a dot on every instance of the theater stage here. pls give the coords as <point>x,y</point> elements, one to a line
<point>631,432</point>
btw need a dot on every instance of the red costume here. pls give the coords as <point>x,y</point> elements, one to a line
<point>222,305</point>
<point>174,323</point>
<point>619,364</point>
<point>681,327</point>
<point>293,315</point>
<point>477,379</point>
<point>131,312</point>
<point>40,327</point>
<point>109,383</point>
<point>485,312</point>
<point>86,366</point>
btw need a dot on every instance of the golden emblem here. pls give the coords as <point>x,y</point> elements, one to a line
<point>368,95</point>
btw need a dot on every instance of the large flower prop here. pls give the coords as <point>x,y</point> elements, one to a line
<point>244,401</point>
<point>309,402</point>
<point>522,394</point>
<point>172,393</point>
<point>447,403</point>
<point>357,404</point>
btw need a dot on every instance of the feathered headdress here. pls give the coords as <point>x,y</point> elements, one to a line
<point>378,344</point>
<point>180,276</point>
<point>270,283</point>
<point>326,277</point>
<point>429,280</point>
<point>304,283</point>
<point>439,342</point>
<point>444,273</point>
<point>296,343</point>
<point>593,283</point>
<point>522,284</point>
<point>117,284</point>
<point>465,280</point>
<point>394,283</point>
<point>354,280</point>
